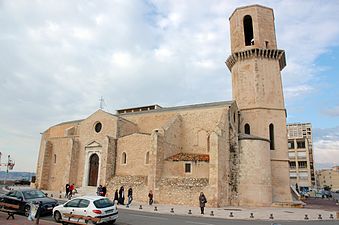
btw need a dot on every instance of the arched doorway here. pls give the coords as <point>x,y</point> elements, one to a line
<point>93,170</point>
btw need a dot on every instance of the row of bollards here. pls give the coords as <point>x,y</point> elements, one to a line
<point>271,217</point>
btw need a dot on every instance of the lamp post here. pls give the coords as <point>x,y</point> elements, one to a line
<point>9,165</point>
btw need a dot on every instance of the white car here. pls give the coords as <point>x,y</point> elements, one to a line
<point>93,206</point>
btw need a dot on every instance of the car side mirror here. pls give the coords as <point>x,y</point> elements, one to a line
<point>21,198</point>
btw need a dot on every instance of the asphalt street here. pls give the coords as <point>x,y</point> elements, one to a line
<point>129,217</point>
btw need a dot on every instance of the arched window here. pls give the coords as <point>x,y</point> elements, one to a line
<point>248,30</point>
<point>124,158</point>
<point>247,129</point>
<point>271,127</point>
<point>147,158</point>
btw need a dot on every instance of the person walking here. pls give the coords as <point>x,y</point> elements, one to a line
<point>130,196</point>
<point>71,189</point>
<point>104,191</point>
<point>99,190</point>
<point>67,190</point>
<point>116,196</point>
<point>150,197</point>
<point>121,195</point>
<point>202,202</point>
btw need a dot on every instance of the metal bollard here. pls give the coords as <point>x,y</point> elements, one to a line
<point>251,215</point>
<point>140,207</point>
<point>189,211</point>
<point>331,216</point>
<point>271,216</point>
<point>212,214</point>
<point>155,208</point>
<point>172,210</point>
<point>51,195</point>
<point>306,217</point>
<point>319,217</point>
<point>231,214</point>
<point>59,196</point>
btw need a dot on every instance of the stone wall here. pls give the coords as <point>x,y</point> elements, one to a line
<point>255,181</point>
<point>181,191</point>
<point>135,147</point>
<point>138,184</point>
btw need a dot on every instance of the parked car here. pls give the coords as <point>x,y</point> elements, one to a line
<point>22,182</point>
<point>24,197</point>
<point>93,206</point>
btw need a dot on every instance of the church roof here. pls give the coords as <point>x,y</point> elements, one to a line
<point>189,157</point>
<point>184,107</point>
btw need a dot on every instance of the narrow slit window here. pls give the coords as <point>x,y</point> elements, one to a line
<point>147,158</point>
<point>54,158</point>
<point>247,129</point>
<point>248,30</point>
<point>271,128</point>
<point>124,158</point>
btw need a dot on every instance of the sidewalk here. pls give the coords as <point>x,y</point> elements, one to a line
<point>22,220</point>
<point>239,213</point>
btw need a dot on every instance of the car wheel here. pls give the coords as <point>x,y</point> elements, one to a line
<point>27,210</point>
<point>111,222</point>
<point>57,216</point>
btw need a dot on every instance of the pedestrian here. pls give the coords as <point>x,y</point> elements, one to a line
<point>116,196</point>
<point>121,195</point>
<point>33,206</point>
<point>99,190</point>
<point>67,190</point>
<point>104,191</point>
<point>38,213</point>
<point>71,188</point>
<point>130,196</point>
<point>202,202</point>
<point>150,197</point>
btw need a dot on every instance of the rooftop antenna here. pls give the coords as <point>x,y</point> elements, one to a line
<point>102,102</point>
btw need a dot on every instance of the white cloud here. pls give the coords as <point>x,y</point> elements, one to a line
<point>299,90</point>
<point>333,112</point>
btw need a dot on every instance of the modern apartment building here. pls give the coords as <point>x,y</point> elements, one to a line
<point>300,154</point>
<point>328,177</point>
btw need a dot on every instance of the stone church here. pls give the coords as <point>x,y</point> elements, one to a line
<point>234,151</point>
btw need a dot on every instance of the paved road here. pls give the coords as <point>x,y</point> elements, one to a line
<point>129,217</point>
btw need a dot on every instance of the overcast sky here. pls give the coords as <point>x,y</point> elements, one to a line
<point>57,58</point>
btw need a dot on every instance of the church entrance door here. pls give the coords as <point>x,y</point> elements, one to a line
<point>93,170</point>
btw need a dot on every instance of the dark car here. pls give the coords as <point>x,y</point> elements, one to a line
<point>24,197</point>
<point>22,182</point>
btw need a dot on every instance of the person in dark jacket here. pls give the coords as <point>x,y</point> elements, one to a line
<point>150,197</point>
<point>202,202</point>
<point>67,190</point>
<point>121,195</point>
<point>104,191</point>
<point>130,196</point>
<point>116,196</point>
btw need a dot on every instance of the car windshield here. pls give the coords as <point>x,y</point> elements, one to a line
<point>31,194</point>
<point>103,203</point>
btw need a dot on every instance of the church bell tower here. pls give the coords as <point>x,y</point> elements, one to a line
<point>255,63</point>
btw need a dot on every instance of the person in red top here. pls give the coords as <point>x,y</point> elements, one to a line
<point>71,189</point>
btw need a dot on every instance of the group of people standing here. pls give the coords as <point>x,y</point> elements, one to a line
<point>101,190</point>
<point>70,189</point>
<point>119,196</point>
